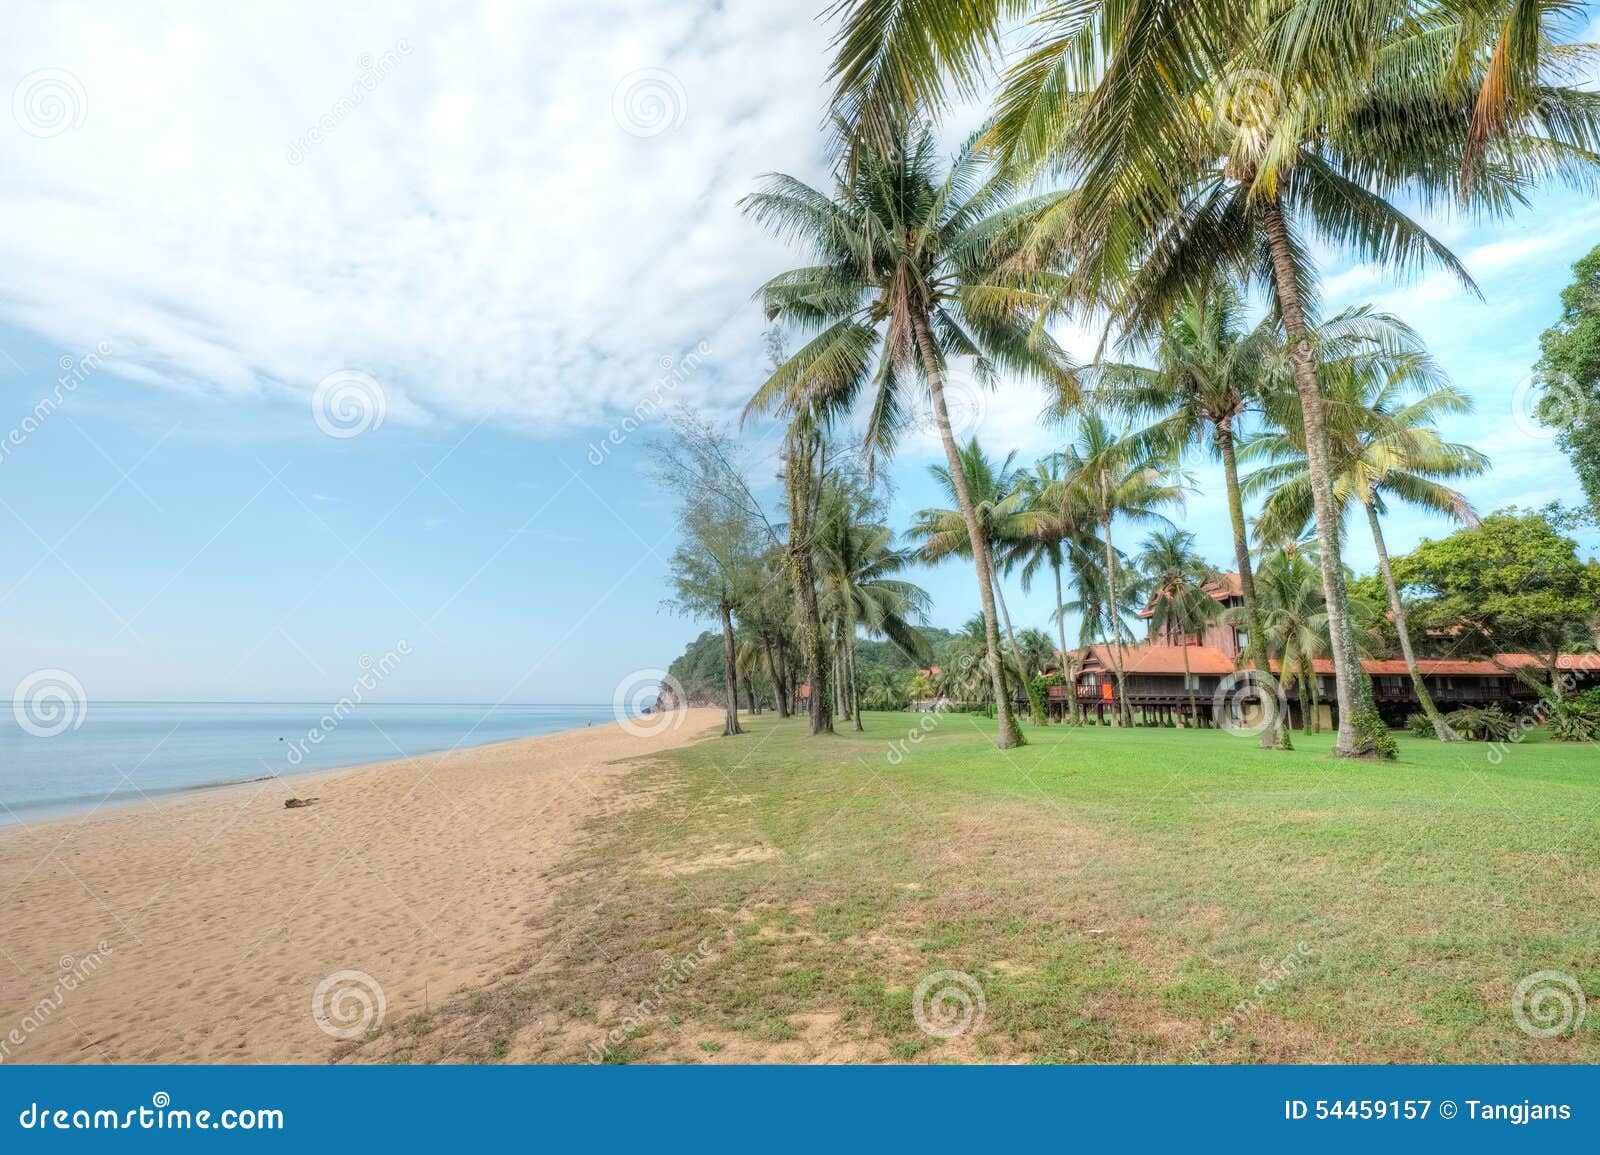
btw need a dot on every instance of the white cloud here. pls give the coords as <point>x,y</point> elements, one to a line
<point>472,224</point>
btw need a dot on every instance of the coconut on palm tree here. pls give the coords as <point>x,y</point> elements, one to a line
<point>912,268</point>
<point>1383,394</point>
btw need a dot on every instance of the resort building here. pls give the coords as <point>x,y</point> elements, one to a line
<point>1166,670</point>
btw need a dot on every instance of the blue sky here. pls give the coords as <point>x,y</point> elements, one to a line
<point>506,239</point>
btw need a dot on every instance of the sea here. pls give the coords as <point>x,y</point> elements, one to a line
<point>119,752</point>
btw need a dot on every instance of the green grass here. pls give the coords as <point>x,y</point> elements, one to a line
<point>1115,894</point>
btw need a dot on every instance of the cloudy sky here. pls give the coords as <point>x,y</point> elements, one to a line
<point>345,296</point>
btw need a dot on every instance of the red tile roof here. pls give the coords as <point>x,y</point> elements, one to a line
<point>1147,659</point>
<point>1455,667</point>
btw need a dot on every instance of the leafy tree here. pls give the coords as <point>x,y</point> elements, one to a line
<point>1507,585</point>
<point>1569,369</point>
<point>912,267</point>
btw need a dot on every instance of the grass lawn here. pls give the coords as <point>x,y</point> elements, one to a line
<point>1114,895</point>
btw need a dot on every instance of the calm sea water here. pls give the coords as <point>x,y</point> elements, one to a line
<point>124,751</point>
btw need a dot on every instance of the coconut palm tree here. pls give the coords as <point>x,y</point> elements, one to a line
<point>1179,584</point>
<point>1117,477</point>
<point>1294,613</point>
<point>1384,392</point>
<point>1220,134</point>
<point>1210,371</point>
<point>912,268</point>
<point>1001,508</point>
<point>857,563</point>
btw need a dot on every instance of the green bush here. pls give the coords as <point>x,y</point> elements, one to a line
<point>1488,724</point>
<point>1370,728</point>
<point>1575,718</point>
<point>1420,726</point>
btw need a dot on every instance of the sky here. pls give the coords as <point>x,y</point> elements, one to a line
<point>320,332</point>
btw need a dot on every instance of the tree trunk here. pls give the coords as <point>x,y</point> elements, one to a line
<point>730,677</point>
<point>775,674</point>
<point>1274,736</point>
<point>1350,690</point>
<point>1425,699</point>
<point>1061,633</point>
<point>1124,710</point>
<point>855,685</point>
<point>1303,690</point>
<point>1194,712</point>
<point>1008,735</point>
<point>812,642</point>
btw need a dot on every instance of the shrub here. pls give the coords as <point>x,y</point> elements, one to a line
<point>1489,724</point>
<point>1419,726</point>
<point>1575,718</point>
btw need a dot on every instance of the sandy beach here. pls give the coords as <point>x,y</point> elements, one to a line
<point>220,926</point>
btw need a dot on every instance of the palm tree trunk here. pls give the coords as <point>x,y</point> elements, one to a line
<point>1008,735</point>
<point>1349,686</point>
<point>1194,712</point>
<point>1124,710</point>
<point>1425,699</point>
<point>1061,633</point>
<point>855,685</point>
<point>813,642</point>
<point>730,677</point>
<point>1035,706</point>
<point>1274,737</point>
<point>1303,688</point>
<point>774,673</point>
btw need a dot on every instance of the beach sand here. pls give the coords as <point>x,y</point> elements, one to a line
<point>199,928</point>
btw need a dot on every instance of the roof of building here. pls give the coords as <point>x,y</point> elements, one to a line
<point>1160,659</point>
<point>1228,585</point>
<point>1148,659</point>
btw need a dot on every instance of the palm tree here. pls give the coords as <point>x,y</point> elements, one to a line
<point>1215,134</point>
<point>1001,509</point>
<point>1116,476</point>
<point>1380,444</point>
<point>1210,370</point>
<point>912,268</point>
<point>858,563</point>
<point>1179,583</point>
<point>1058,532</point>
<point>1294,613</point>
